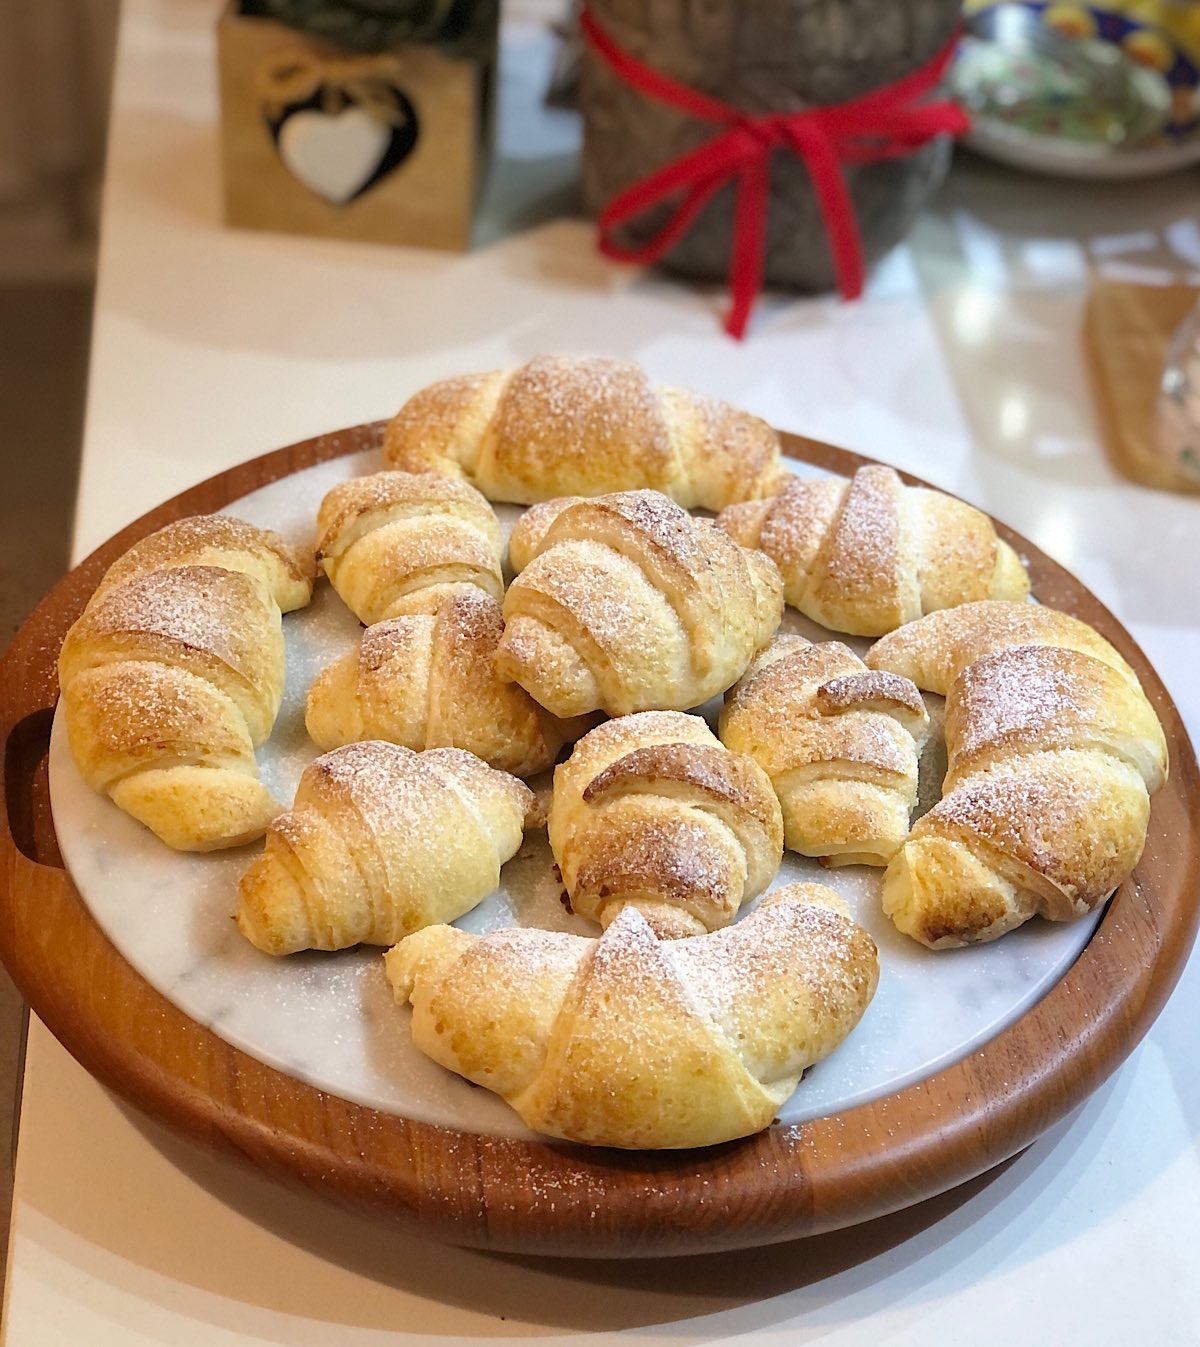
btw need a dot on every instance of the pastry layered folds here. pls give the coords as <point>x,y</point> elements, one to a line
<point>427,680</point>
<point>1054,752</point>
<point>396,542</point>
<point>628,603</point>
<point>174,672</point>
<point>380,842</point>
<point>651,811</point>
<point>628,1041</point>
<point>584,426</point>
<point>867,554</point>
<point>841,744</point>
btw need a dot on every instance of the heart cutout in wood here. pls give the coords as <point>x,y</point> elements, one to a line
<point>339,155</point>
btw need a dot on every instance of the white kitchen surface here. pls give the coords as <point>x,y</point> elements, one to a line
<point>963,364</point>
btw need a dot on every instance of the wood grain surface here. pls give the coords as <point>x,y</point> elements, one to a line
<point>556,1198</point>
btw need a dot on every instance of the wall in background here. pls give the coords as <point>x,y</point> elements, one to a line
<point>55,72</point>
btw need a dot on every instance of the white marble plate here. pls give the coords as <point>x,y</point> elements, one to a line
<point>329,1018</point>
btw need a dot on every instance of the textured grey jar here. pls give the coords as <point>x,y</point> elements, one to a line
<point>760,56</point>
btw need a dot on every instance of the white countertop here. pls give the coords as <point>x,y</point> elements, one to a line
<point>963,364</point>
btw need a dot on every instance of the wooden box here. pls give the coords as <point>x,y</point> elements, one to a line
<point>386,147</point>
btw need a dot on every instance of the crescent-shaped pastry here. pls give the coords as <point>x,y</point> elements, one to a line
<point>840,742</point>
<point>380,842</point>
<point>173,674</point>
<point>1054,752</point>
<point>427,680</point>
<point>563,425</point>
<point>632,1042</point>
<point>867,554</point>
<point>396,542</point>
<point>652,811</point>
<point>630,604</point>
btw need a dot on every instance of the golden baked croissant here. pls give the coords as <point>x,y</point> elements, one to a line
<point>380,842</point>
<point>868,554</point>
<point>174,672</point>
<point>396,542</point>
<point>652,811</point>
<point>1054,752</point>
<point>624,1041</point>
<point>630,604</point>
<point>840,743</point>
<point>565,425</point>
<point>427,681</point>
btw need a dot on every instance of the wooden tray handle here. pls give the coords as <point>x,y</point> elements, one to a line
<point>27,789</point>
<point>29,681</point>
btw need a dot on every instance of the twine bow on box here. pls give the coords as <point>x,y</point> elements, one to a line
<point>885,123</point>
<point>365,81</point>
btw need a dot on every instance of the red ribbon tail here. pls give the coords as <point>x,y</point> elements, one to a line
<point>837,212</point>
<point>749,240</point>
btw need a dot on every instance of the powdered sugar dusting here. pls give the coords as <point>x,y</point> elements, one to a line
<point>660,525</point>
<point>395,495</point>
<point>857,579</point>
<point>561,416</point>
<point>400,790</point>
<point>202,607</point>
<point>1020,691</point>
<point>741,450</point>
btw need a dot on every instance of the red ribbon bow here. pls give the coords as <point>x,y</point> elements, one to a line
<point>883,124</point>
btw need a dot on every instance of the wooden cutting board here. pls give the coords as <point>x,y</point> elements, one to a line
<point>508,1194</point>
<point>1128,330</point>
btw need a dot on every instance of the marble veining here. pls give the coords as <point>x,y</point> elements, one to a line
<point>329,1019</point>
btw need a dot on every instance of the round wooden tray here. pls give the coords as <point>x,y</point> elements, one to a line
<point>506,1194</point>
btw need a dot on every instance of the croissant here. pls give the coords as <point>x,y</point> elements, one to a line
<point>174,672</point>
<point>427,681</point>
<point>651,811</point>
<point>380,842</point>
<point>627,1042</point>
<point>840,743</point>
<point>395,542</point>
<point>868,554</point>
<point>1054,752</point>
<point>585,426</point>
<point>631,604</point>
